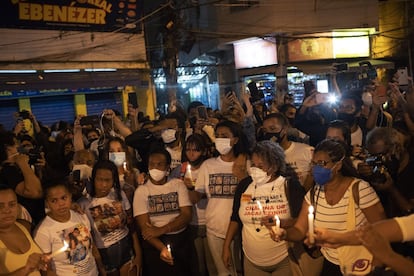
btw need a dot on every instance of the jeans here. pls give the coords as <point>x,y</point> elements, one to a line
<point>281,268</point>
<point>216,249</point>
<point>203,264</point>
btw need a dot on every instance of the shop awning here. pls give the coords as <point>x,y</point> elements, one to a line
<point>324,67</point>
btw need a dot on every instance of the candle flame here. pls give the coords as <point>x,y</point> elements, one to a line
<point>310,209</point>
<point>65,246</point>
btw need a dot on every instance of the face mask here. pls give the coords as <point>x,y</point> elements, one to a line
<point>157,175</point>
<point>367,98</point>
<point>273,136</point>
<point>349,118</point>
<point>321,175</point>
<point>117,157</point>
<point>168,135</point>
<point>85,171</point>
<point>223,145</point>
<point>291,121</point>
<point>92,140</point>
<point>259,176</point>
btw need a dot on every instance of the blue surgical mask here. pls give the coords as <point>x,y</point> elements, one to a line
<point>321,175</point>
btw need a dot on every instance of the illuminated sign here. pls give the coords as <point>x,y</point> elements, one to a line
<point>255,53</point>
<point>337,44</point>
<point>89,15</point>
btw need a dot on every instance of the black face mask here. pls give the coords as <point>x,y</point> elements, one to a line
<point>349,118</point>
<point>196,163</point>
<point>291,121</point>
<point>272,136</point>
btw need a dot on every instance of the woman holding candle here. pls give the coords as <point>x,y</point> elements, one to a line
<point>218,181</point>
<point>66,235</point>
<point>20,255</point>
<point>330,196</point>
<point>119,153</point>
<point>267,195</point>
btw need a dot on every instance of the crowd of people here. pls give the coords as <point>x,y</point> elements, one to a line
<point>248,189</point>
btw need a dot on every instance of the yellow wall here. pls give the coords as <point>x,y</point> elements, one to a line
<point>24,104</point>
<point>80,104</point>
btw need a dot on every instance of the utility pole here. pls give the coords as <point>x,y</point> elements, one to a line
<point>170,57</point>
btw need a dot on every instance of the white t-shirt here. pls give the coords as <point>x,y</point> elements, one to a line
<point>356,137</point>
<point>199,209</point>
<point>161,202</point>
<point>108,218</point>
<point>77,259</point>
<point>406,226</point>
<point>299,157</point>
<point>216,180</point>
<point>258,246</point>
<point>175,156</point>
<point>333,217</point>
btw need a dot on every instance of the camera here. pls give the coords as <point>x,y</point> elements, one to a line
<point>367,74</point>
<point>341,67</point>
<point>34,155</point>
<point>24,114</point>
<point>377,162</point>
<point>92,120</point>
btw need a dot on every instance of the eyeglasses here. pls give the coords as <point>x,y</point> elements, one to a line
<point>321,163</point>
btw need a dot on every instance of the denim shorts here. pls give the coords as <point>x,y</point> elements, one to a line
<point>115,256</point>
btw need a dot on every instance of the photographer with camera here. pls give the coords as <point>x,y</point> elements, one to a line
<point>390,170</point>
<point>15,172</point>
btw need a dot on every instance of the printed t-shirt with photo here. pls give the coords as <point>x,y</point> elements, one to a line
<point>161,202</point>
<point>108,218</point>
<point>216,180</point>
<point>51,236</point>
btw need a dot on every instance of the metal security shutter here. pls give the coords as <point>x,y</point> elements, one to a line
<point>7,110</point>
<point>49,110</point>
<point>96,103</point>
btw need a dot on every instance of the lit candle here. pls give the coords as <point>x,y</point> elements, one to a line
<point>276,228</point>
<point>63,249</point>
<point>188,173</point>
<point>169,249</point>
<point>310,224</point>
<point>260,206</point>
<point>125,166</point>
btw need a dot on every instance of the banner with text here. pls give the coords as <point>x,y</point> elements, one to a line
<point>76,15</point>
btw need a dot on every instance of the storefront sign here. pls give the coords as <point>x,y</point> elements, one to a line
<point>339,44</point>
<point>7,94</point>
<point>84,15</point>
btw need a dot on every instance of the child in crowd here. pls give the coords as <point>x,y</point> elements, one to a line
<point>66,235</point>
<point>110,215</point>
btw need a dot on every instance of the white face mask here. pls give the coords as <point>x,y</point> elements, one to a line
<point>85,171</point>
<point>223,145</point>
<point>367,98</point>
<point>117,157</point>
<point>259,176</point>
<point>168,135</point>
<point>157,175</point>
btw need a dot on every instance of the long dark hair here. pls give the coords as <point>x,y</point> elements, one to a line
<point>337,151</point>
<point>200,143</point>
<point>106,165</point>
